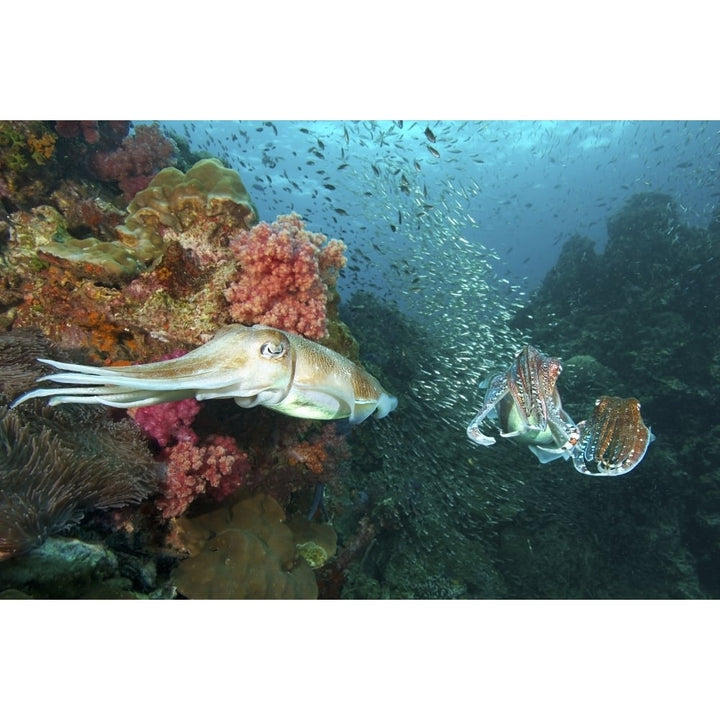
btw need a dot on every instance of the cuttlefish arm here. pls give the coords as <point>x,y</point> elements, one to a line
<point>256,365</point>
<point>497,389</point>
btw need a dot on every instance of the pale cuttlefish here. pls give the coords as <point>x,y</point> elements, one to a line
<point>523,403</point>
<point>256,365</point>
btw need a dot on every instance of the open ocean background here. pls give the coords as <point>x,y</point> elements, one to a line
<point>516,188</point>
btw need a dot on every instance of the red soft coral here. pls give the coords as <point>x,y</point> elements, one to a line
<point>286,272</point>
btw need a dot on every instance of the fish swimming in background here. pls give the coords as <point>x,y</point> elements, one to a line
<point>256,365</point>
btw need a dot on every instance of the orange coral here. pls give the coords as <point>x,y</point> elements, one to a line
<point>41,147</point>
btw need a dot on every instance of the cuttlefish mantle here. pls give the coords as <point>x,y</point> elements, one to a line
<point>256,365</point>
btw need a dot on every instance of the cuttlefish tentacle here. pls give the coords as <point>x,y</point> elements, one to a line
<point>497,389</point>
<point>256,365</point>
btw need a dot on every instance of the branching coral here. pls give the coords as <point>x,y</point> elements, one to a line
<point>286,276</point>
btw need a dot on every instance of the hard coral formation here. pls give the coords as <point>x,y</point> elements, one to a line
<point>41,237</point>
<point>243,552</point>
<point>287,274</point>
<point>198,209</point>
<point>85,212</point>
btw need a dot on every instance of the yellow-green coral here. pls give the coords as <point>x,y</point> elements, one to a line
<point>41,236</point>
<point>316,542</point>
<point>24,143</point>
<point>106,262</point>
<point>174,202</point>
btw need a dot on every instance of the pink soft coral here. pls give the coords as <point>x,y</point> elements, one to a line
<point>214,466</point>
<point>168,422</point>
<point>285,275</point>
<point>136,162</point>
<point>217,467</point>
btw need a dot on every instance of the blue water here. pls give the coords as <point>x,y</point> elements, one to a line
<point>518,188</point>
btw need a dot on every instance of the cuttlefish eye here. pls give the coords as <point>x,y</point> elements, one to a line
<point>271,350</point>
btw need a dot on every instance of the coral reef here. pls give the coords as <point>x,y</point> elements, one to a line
<point>287,275</point>
<point>110,287</point>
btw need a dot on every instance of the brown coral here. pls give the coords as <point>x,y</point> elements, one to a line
<point>243,552</point>
<point>19,368</point>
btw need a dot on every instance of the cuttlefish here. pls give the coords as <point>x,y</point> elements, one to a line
<point>523,403</point>
<point>614,440</point>
<point>256,365</point>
